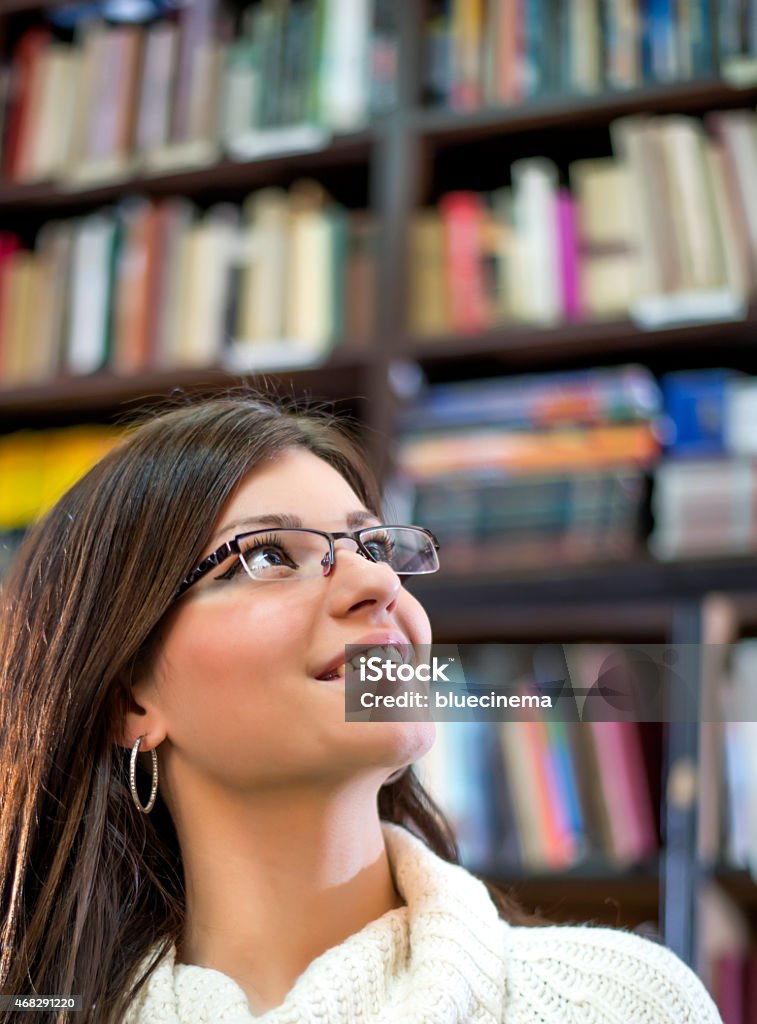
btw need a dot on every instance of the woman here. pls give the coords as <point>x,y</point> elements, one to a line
<point>286,865</point>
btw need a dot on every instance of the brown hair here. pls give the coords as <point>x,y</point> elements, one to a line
<point>87,884</point>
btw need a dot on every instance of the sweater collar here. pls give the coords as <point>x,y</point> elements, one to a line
<point>438,959</point>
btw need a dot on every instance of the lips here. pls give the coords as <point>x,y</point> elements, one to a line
<point>394,645</point>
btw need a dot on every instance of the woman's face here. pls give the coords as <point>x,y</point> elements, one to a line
<point>234,683</point>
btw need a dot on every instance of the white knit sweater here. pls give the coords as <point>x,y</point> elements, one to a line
<point>448,958</point>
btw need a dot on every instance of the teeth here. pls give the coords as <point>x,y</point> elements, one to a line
<point>384,653</point>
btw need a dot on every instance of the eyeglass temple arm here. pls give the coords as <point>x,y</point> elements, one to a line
<point>231,547</point>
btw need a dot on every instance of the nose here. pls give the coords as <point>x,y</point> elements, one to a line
<point>360,579</point>
<point>328,566</point>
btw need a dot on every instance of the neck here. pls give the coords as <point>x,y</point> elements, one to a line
<point>309,863</point>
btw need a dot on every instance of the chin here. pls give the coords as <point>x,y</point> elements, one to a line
<point>395,744</point>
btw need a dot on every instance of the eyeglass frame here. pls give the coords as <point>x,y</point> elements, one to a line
<point>232,547</point>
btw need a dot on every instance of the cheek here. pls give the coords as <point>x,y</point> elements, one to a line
<point>237,663</point>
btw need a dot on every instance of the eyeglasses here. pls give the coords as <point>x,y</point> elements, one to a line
<point>269,556</point>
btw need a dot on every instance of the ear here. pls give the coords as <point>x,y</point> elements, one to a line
<point>138,714</point>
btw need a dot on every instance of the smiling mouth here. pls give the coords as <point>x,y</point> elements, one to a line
<point>388,652</point>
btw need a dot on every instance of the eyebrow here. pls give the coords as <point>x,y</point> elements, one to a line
<point>283,520</point>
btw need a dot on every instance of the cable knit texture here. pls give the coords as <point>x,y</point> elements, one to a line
<point>448,958</point>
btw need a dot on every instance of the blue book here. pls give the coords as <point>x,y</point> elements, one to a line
<point>614,394</point>
<point>659,59</point>
<point>703,36</point>
<point>559,748</point>
<point>695,409</point>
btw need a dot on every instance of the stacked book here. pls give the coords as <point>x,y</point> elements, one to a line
<point>531,471</point>
<point>704,498</point>
<point>503,52</point>
<point>664,231</point>
<point>152,284</point>
<point>96,101</point>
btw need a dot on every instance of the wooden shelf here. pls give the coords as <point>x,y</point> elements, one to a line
<point>9,7</point>
<point>633,599</point>
<point>211,180</point>
<point>739,884</point>
<point>341,376</point>
<point>521,347</point>
<point>592,340</point>
<point>443,126</point>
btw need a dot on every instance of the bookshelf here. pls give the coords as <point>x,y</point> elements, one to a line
<point>406,157</point>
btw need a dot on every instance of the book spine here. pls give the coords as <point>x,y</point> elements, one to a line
<point>461,214</point>
<point>568,243</point>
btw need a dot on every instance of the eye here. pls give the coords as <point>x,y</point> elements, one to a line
<point>265,557</point>
<point>381,547</point>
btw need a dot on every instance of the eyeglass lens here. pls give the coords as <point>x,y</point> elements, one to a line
<point>287,554</point>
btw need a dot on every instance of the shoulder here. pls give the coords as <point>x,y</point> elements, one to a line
<point>587,973</point>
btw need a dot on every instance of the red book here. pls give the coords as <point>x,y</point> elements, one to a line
<point>510,52</point>
<point>750,996</point>
<point>729,971</point>
<point>27,53</point>
<point>462,217</point>
<point>9,245</point>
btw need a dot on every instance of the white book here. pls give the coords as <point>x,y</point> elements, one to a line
<point>209,259</point>
<point>56,113</point>
<point>345,63</point>
<point>154,110</point>
<point>90,293</point>
<point>683,141</point>
<point>740,427</point>
<point>740,131</point>
<point>536,269</point>
<point>732,243</point>
<point>309,297</point>
<point>263,298</point>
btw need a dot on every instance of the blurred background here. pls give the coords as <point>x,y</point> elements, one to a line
<point>514,242</point>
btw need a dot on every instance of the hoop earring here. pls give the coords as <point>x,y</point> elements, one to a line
<point>133,778</point>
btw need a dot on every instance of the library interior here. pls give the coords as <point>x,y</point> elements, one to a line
<point>514,244</point>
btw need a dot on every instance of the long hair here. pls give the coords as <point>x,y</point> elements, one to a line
<point>88,886</point>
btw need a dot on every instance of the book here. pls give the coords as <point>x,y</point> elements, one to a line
<point>91,284</point>
<point>207,253</point>
<point>462,215</point>
<point>52,128</point>
<point>429,311</point>
<point>23,99</point>
<point>589,448</point>
<point>266,269</point>
<point>567,242</point>
<point>153,106</point>
<point>535,265</point>
<point>9,246</point>
<point>609,268</point>
<point>696,410</point>
<point>737,131</point>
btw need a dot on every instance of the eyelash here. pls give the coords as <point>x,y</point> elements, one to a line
<point>236,567</point>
